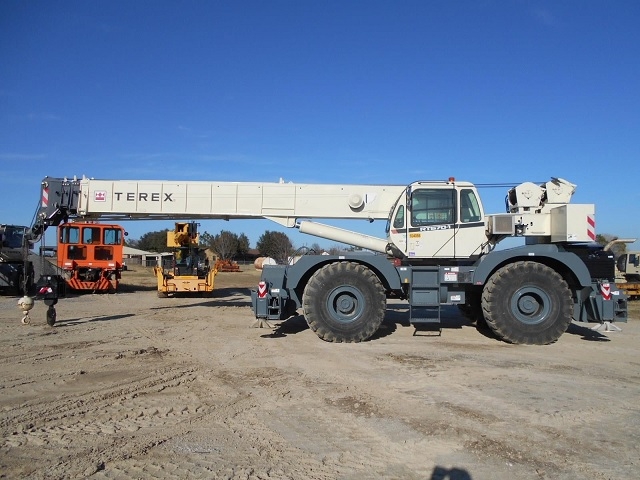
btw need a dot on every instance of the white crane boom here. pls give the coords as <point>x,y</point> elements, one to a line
<point>280,202</point>
<point>427,219</point>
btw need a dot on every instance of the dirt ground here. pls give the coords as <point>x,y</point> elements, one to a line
<point>130,385</point>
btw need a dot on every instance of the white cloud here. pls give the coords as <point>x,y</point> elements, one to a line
<point>21,157</point>
<point>545,17</point>
<point>46,117</point>
<point>190,133</point>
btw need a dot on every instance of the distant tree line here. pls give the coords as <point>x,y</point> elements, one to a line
<point>150,241</point>
<point>231,246</point>
<point>277,245</point>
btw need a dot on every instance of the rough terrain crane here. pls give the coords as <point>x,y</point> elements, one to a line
<point>16,271</point>
<point>190,271</point>
<point>439,250</point>
<point>628,264</point>
<point>628,268</point>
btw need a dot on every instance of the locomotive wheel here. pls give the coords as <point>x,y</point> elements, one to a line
<point>344,302</point>
<point>527,303</point>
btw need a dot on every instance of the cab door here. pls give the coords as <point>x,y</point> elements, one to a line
<point>431,227</point>
<point>471,237</point>
<point>432,224</point>
<point>423,225</point>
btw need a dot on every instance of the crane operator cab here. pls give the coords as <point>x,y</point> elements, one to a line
<point>438,220</point>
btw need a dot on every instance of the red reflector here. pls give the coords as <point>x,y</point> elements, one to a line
<point>262,290</point>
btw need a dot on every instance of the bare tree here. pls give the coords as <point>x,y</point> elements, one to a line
<point>276,245</point>
<point>316,248</point>
<point>224,244</point>
<point>336,249</point>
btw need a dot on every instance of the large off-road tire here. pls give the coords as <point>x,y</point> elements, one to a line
<point>344,302</point>
<point>527,303</point>
<point>472,308</point>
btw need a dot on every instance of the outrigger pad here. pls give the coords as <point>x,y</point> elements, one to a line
<point>607,327</point>
<point>261,323</point>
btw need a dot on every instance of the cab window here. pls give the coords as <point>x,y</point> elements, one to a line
<point>70,235</point>
<point>398,221</point>
<point>432,207</point>
<point>112,236</point>
<point>469,206</point>
<point>91,235</point>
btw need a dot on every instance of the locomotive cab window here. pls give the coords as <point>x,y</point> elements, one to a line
<point>103,253</point>
<point>75,252</point>
<point>70,235</point>
<point>91,235</point>
<point>112,236</point>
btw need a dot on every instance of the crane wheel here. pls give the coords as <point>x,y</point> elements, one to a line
<point>472,309</point>
<point>527,303</point>
<point>344,302</point>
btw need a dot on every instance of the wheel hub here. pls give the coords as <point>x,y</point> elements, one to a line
<point>530,305</point>
<point>345,304</point>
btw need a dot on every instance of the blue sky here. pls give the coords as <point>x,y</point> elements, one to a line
<point>383,92</point>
